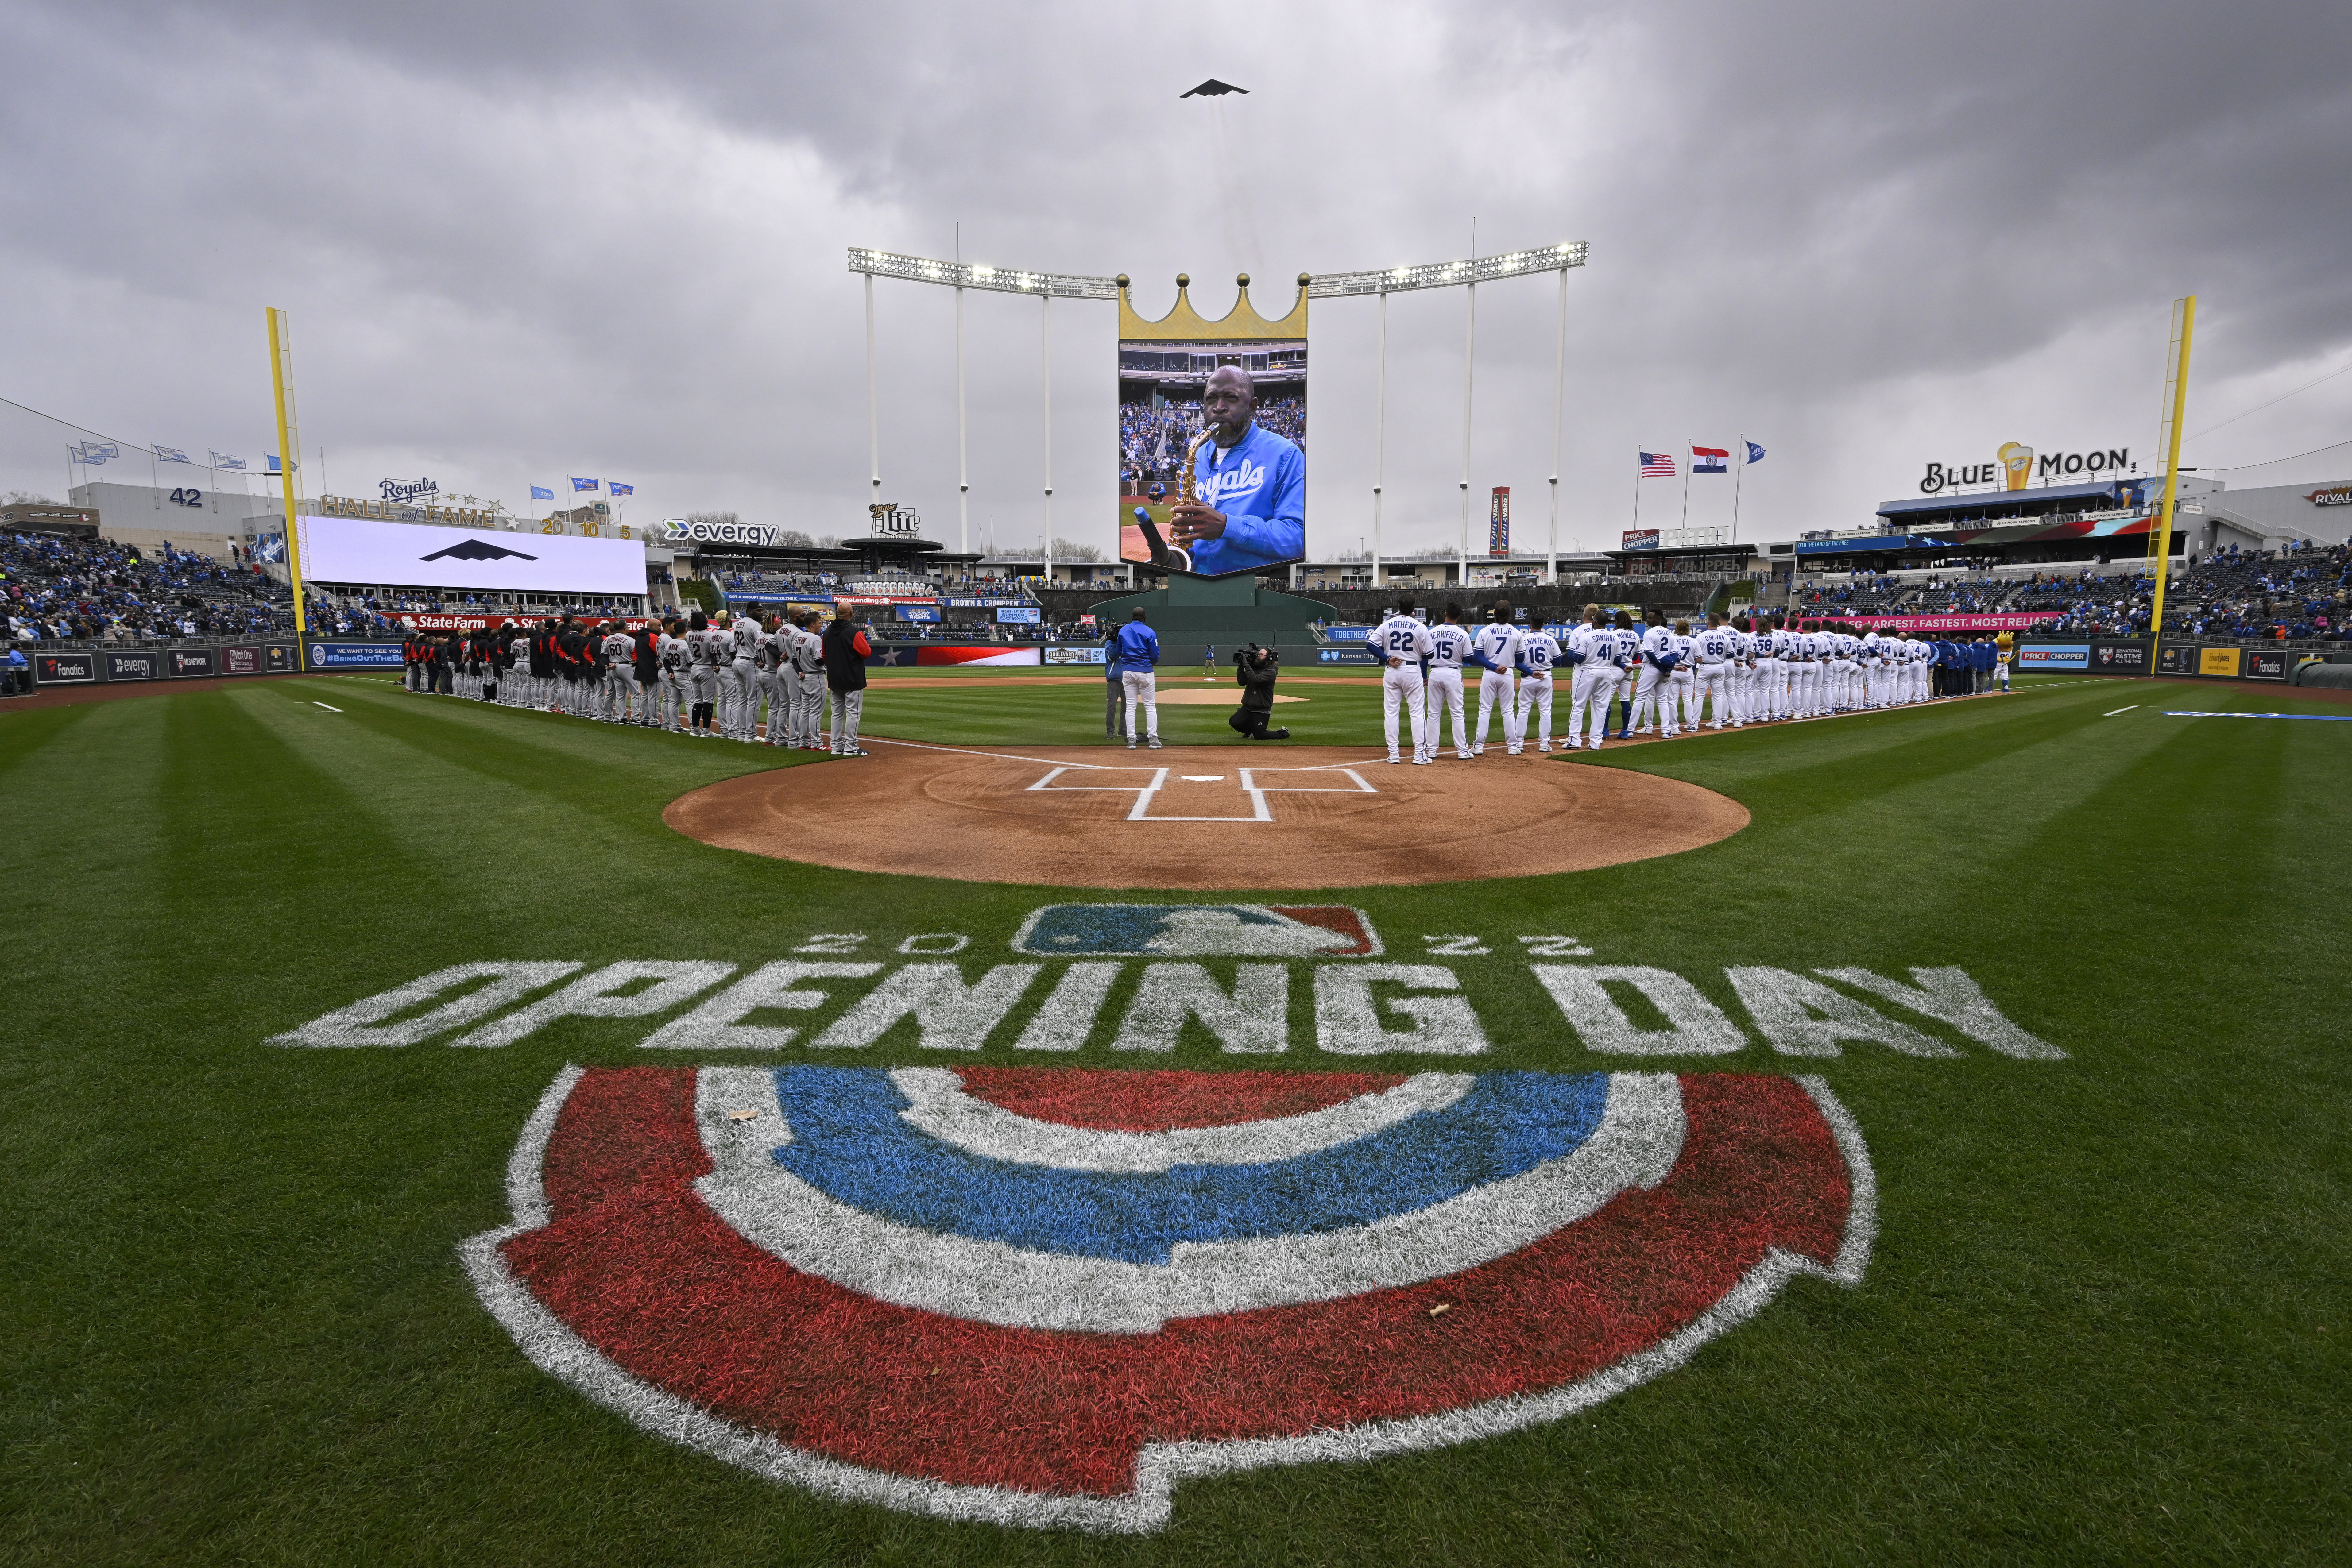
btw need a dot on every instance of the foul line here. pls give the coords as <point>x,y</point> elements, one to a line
<point>2125,709</point>
<point>329,707</point>
<point>2322,717</point>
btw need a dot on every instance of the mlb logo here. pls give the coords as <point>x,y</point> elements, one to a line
<point>1045,1297</point>
<point>1197,931</point>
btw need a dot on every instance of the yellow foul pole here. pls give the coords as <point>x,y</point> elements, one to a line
<point>289,446</point>
<point>2176,404</point>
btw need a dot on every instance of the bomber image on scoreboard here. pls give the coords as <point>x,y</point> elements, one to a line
<point>1212,437</point>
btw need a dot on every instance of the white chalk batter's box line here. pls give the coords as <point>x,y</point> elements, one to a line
<point>1257,792</point>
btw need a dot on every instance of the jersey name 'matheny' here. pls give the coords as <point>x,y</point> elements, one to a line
<point>1260,485</point>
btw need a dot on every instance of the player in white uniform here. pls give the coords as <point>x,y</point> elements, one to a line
<point>1448,645</point>
<point>1584,650</point>
<point>621,696</point>
<point>741,669</point>
<point>522,691</point>
<point>1400,642</point>
<point>1712,672</point>
<point>1495,650</point>
<point>1682,687</point>
<point>1653,697</point>
<point>1540,652</point>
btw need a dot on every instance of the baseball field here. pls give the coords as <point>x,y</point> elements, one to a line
<point>1938,1155</point>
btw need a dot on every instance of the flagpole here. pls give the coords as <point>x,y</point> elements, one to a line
<point>1045,344</point>
<point>1736,476</point>
<point>1690,461</point>
<point>873,406</point>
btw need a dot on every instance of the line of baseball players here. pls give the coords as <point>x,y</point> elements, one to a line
<point>1725,673</point>
<point>696,676</point>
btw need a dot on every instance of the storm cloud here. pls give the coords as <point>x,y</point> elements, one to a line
<point>528,241</point>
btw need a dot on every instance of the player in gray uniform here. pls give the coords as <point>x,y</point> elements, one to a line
<point>739,668</point>
<point>704,644</point>
<point>1448,642</point>
<point>1539,653</point>
<point>1495,650</point>
<point>676,677</point>
<point>775,648</point>
<point>803,675</point>
<point>621,694</point>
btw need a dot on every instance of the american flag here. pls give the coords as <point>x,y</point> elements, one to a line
<point>1657,466</point>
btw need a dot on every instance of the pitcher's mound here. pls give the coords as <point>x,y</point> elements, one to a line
<point>1208,818</point>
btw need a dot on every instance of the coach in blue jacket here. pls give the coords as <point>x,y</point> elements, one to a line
<point>1137,651</point>
<point>1252,486</point>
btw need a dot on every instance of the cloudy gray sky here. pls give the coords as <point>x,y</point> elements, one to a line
<point>523,242</point>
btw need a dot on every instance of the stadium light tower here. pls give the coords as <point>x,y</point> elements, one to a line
<point>1046,287</point>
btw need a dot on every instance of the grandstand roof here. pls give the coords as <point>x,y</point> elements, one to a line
<point>2010,503</point>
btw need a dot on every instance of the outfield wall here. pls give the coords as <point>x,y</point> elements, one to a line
<point>2192,661</point>
<point>166,661</point>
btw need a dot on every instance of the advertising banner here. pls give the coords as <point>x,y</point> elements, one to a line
<point>278,659</point>
<point>240,661</point>
<point>2265,664</point>
<point>355,656</point>
<point>1638,538</point>
<point>489,620</point>
<point>1344,656</point>
<point>1931,623</point>
<point>141,666</point>
<point>1498,521</point>
<point>928,612</point>
<point>64,669</point>
<point>1025,657</point>
<point>2217,661</point>
<point>1084,653</point>
<point>1211,438</point>
<point>2176,659</point>
<point>422,555</point>
<point>187,661</point>
<point>2120,658</point>
<point>2055,656</point>
<point>981,603</point>
<point>1029,616</point>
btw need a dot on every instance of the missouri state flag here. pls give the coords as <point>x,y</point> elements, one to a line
<point>1709,459</point>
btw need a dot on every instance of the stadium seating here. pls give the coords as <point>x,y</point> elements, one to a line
<point>63,589</point>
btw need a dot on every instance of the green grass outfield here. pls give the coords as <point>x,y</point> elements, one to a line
<point>2105,1321</point>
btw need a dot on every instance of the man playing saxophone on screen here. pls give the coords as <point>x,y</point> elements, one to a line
<point>1249,485</point>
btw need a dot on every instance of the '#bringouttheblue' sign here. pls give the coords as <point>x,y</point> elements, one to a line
<point>355,656</point>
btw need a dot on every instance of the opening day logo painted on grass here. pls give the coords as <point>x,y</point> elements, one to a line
<point>1043,1297</point>
<point>1197,931</point>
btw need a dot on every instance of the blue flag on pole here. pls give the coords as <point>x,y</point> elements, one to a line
<point>542,493</point>
<point>1755,452</point>
<point>615,487</point>
<point>579,485</point>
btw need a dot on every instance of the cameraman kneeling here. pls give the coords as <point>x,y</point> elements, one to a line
<point>1254,670</point>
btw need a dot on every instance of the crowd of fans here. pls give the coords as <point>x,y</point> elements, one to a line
<point>69,590</point>
<point>1152,437</point>
<point>2300,594</point>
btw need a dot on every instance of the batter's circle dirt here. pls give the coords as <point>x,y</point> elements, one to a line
<point>1206,817</point>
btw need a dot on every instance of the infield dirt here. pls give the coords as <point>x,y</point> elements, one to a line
<point>1202,818</point>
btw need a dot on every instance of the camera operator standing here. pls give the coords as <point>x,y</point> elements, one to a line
<point>1254,670</point>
